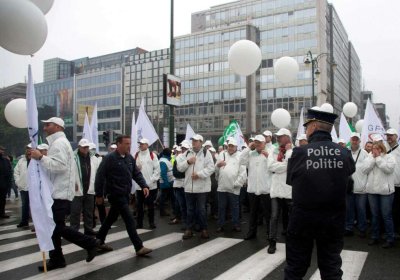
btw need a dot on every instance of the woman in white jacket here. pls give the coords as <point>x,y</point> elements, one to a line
<point>231,176</point>
<point>380,188</point>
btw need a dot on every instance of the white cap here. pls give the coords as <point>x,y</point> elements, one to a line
<point>355,134</point>
<point>143,141</point>
<point>267,133</point>
<point>92,146</point>
<point>341,141</point>
<point>302,137</point>
<point>391,131</point>
<point>57,121</point>
<point>174,146</point>
<point>283,131</point>
<point>208,143</point>
<point>225,143</point>
<point>84,143</point>
<point>259,138</point>
<point>43,146</point>
<point>113,146</point>
<point>232,142</point>
<point>178,149</point>
<point>377,137</point>
<point>212,150</point>
<point>197,137</point>
<point>185,145</point>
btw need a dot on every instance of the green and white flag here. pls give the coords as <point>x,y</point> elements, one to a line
<point>233,130</point>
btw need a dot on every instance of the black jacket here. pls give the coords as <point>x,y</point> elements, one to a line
<point>115,173</point>
<point>318,173</point>
<point>5,172</point>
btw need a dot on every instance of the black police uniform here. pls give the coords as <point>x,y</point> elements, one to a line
<point>318,173</point>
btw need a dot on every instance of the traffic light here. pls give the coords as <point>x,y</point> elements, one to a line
<point>106,138</point>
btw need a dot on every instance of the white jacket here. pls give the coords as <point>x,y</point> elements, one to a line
<point>94,165</point>
<point>60,166</point>
<point>396,154</point>
<point>279,188</point>
<point>258,178</point>
<point>21,173</point>
<point>233,175</point>
<point>204,167</point>
<point>150,168</point>
<point>380,172</point>
<point>360,175</point>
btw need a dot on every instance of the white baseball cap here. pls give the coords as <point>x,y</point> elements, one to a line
<point>259,138</point>
<point>185,145</point>
<point>197,137</point>
<point>92,146</point>
<point>377,137</point>
<point>57,121</point>
<point>84,143</point>
<point>341,141</point>
<point>355,134</point>
<point>113,146</point>
<point>283,131</point>
<point>391,131</point>
<point>143,141</point>
<point>267,133</point>
<point>232,142</point>
<point>43,146</point>
<point>302,137</point>
<point>208,143</point>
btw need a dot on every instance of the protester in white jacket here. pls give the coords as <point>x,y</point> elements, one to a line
<point>255,158</point>
<point>281,193</point>
<point>83,202</point>
<point>20,178</point>
<point>179,190</point>
<point>59,163</point>
<point>380,188</point>
<point>231,176</point>
<point>356,198</point>
<point>393,149</point>
<point>198,165</point>
<point>149,165</point>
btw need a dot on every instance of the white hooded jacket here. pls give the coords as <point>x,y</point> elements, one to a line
<point>360,175</point>
<point>233,175</point>
<point>380,172</point>
<point>279,188</point>
<point>149,167</point>
<point>396,154</point>
<point>20,174</point>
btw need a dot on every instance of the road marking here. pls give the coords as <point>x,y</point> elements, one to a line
<point>257,266</point>
<point>173,265</point>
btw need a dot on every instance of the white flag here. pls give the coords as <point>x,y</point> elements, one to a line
<point>134,139</point>
<point>87,133</point>
<point>144,127</point>
<point>344,129</point>
<point>189,132</point>
<point>40,187</point>
<point>239,138</point>
<point>94,128</point>
<point>334,134</point>
<point>372,124</point>
<point>300,128</point>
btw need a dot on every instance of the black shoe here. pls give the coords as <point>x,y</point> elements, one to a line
<point>152,226</point>
<point>188,234</point>
<point>373,242</point>
<point>4,216</point>
<point>272,246</point>
<point>348,233</point>
<point>250,235</point>
<point>51,265</point>
<point>22,225</point>
<point>92,252</point>
<point>220,229</point>
<point>388,245</point>
<point>237,229</point>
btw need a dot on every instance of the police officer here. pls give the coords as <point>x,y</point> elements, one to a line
<point>318,173</point>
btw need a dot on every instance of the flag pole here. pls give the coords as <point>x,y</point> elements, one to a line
<point>44,262</point>
<point>161,143</point>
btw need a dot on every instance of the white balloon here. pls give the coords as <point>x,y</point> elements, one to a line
<point>280,118</point>
<point>326,107</point>
<point>15,113</point>
<point>359,125</point>
<point>244,57</point>
<point>350,109</point>
<point>43,5</point>
<point>286,69</point>
<point>23,27</point>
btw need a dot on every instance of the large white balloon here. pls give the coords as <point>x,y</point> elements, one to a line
<point>359,125</point>
<point>15,113</point>
<point>23,27</point>
<point>280,118</point>
<point>244,57</point>
<point>326,107</point>
<point>350,109</point>
<point>43,5</point>
<point>286,69</point>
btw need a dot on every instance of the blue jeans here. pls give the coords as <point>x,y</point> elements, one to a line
<point>356,202</point>
<point>120,205</point>
<point>25,207</point>
<point>181,202</point>
<point>196,205</point>
<point>381,206</point>
<point>223,199</point>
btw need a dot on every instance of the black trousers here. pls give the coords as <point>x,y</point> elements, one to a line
<point>3,194</point>
<point>149,201</point>
<point>60,209</point>
<point>326,229</point>
<point>259,205</point>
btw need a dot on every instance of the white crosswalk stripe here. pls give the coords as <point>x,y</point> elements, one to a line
<point>256,265</point>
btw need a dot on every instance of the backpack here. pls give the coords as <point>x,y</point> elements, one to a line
<point>177,174</point>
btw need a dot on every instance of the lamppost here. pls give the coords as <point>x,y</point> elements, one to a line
<point>315,72</point>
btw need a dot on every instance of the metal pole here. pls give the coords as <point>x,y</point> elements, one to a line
<point>171,70</point>
<point>313,81</point>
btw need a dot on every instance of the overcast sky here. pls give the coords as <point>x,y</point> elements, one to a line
<point>95,27</point>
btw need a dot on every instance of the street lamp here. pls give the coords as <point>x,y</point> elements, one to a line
<point>315,72</point>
